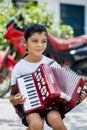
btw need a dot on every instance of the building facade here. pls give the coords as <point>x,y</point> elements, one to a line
<point>71,12</point>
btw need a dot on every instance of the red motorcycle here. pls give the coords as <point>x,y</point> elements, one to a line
<point>8,58</point>
<point>59,50</point>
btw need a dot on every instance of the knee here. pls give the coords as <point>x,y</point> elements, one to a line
<point>34,121</point>
<point>36,125</point>
<point>57,124</point>
<point>55,121</point>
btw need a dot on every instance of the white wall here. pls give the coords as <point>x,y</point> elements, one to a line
<point>54,6</point>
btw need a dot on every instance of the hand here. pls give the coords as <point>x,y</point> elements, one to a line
<point>18,99</point>
<point>82,96</point>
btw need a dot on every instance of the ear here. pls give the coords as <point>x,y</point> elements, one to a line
<point>24,42</point>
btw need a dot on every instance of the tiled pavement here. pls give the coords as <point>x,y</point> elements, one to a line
<point>75,120</point>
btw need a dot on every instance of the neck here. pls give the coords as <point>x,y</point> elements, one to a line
<point>33,59</point>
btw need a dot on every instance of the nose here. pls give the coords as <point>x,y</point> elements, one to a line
<point>39,44</point>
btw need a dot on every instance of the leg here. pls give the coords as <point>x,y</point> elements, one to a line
<point>35,122</point>
<point>55,121</point>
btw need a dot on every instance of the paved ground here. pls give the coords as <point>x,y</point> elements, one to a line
<point>75,120</point>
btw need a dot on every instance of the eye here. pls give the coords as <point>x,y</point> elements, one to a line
<point>44,41</point>
<point>34,41</point>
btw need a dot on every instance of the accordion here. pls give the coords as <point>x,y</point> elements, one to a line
<point>50,86</point>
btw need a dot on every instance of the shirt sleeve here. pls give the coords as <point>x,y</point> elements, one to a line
<point>14,76</point>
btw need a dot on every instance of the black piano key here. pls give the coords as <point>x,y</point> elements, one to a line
<point>32,97</point>
<point>34,101</point>
<point>31,94</point>
<point>31,91</point>
<point>36,104</point>
<point>28,77</point>
<point>27,80</point>
<point>29,84</point>
<point>30,88</point>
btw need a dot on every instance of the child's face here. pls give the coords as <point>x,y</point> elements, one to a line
<point>36,44</point>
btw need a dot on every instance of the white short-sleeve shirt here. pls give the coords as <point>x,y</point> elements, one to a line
<point>23,67</point>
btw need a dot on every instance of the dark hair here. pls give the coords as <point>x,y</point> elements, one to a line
<point>34,28</point>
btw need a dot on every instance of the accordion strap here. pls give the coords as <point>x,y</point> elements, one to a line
<point>50,63</point>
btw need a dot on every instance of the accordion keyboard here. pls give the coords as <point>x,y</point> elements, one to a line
<point>29,90</point>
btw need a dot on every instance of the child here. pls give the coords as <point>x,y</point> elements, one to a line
<point>35,41</point>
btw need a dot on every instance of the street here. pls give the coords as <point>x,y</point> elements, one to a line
<point>75,119</point>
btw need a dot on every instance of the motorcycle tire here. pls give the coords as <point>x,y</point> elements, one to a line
<point>4,87</point>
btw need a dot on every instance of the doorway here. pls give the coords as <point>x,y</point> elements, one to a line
<point>73,15</point>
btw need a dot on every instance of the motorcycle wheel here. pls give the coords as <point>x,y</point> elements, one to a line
<point>4,87</point>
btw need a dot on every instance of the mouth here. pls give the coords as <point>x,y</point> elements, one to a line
<point>38,50</point>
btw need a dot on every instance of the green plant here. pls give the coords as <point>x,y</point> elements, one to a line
<point>66,31</point>
<point>6,12</point>
<point>32,14</point>
<point>36,14</point>
<point>1,0</point>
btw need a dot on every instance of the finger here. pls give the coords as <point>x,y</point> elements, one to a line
<point>18,94</point>
<point>83,92</point>
<point>22,101</point>
<point>82,97</point>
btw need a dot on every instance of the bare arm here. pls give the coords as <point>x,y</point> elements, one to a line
<point>15,97</point>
